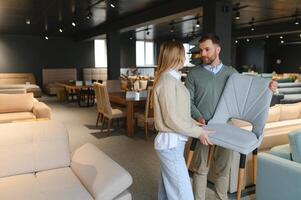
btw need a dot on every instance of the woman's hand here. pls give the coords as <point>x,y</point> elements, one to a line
<point>204,137</point>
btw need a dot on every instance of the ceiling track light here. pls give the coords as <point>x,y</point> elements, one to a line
<point>197,23</point>
<point>296,20</point>
<point>73,24</point>
<point>89,15</point>
<point>252,24</point>
<point>237,15</point>
<point>112,4</point>
<point>60,30</point>
<point>28,21</point>
<point>46,37</point>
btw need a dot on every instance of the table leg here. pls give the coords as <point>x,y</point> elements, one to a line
<point>129,118</point>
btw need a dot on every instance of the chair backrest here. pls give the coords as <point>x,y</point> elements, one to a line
<point>105,101</point>
<point>98,96</point>
<point>149,110</point>
<point>247,98</point>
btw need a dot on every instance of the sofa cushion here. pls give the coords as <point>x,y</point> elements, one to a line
<point>295,144</point>
<point>9,117</point>
<point>274,113</point>
<point>19,187</point>
<point>16,102</point>
<point>27,147</point>
<point>283,151</point>
<point>61,184</point>
<point>290,111</point>
<point>58,184</point>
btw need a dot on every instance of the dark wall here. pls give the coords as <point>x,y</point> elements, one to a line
<point>251,53</point>
<point>289,54</point>
<point>31,54</point>
<point>127,51</point>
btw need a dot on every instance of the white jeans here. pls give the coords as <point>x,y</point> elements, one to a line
<point>174,182</point>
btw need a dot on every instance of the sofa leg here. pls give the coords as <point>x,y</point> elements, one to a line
<point>254,158</point>
<point>241,174</point>
<point>210,154</point>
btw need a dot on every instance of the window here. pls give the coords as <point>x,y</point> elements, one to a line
<point>144,54</point>
<point>187,47</point>
<point>100,51</point>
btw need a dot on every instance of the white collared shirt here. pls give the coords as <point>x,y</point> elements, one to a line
<point>169,140</point>
<point>213,69</point>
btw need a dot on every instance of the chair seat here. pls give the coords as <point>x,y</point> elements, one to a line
<point>118,112</point>
<point>234,138</point>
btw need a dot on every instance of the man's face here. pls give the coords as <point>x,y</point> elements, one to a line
<point>209,51</point>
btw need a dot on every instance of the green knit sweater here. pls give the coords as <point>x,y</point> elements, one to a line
<point>205,90</point>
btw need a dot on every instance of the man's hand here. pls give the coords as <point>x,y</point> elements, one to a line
<point>273,86</point>
<point>204,137</point>
<point>202,121</point>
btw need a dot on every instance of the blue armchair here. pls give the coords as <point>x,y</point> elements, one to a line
<point>279,172</point>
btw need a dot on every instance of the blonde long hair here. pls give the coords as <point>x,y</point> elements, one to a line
<point>172,55</point>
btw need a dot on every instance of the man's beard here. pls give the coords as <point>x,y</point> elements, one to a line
<point>209,60</point>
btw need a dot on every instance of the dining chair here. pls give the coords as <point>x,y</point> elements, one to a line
<point>98,102</point>
<point>246,98</point>
<point>109,113</point>
<point>147,116</point>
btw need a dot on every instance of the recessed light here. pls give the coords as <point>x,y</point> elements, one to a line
<point>248,40</point>
<point>60,30</point>
<point>73,24</point>
<point>28,21</point>
<point>267,36</point>
<point>281,37</point>
<point>46,37</point>
<point>236,41</point>
<point>282,41</point>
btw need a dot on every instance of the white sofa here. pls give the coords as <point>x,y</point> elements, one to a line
<point>36,165</point>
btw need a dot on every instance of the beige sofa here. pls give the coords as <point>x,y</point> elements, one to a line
<point>282,119</point>
<point>13,82</point>
<point>54,75</point>
<point>36,165</point>
<point>14,107</point>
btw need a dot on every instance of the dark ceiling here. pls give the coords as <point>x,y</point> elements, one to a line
<point>143,19</point>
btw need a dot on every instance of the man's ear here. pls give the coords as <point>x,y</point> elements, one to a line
<point>218,49</point>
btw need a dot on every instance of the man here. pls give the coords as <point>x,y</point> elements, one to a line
<point>205,84</point>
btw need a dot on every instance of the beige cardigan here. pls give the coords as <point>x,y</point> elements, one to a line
<point>172,107</point>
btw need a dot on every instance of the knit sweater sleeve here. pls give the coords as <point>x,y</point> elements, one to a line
<point>173,117</point>
<point>189,83</point>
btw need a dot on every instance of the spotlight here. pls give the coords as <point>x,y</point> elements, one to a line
<point>89,15</point>
<point>282,41</point>
<point>267,36</point>
<point>281,37</point>
<point>296,21</point>
<point>236,41</point>
<point>248,40</point>
<point>172,29</point>
<point>252,27</point>
<point>112,4</point>
<point>197,24</point>
<point>73,24</point>
<point>300,35</point>
<point>27,21</point>
<point>237,16</point>
<point>252,24</point>
<point>60,30</point>
<point>131,38</point>
<point>46,37</point>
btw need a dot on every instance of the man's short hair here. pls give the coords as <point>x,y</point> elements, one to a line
<point>210,36</point>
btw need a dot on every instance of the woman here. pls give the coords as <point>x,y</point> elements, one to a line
<point>171,102</point>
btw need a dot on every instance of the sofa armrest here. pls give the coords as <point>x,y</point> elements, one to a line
<point>41,110</point>
<point>277,178</point>
<point>102,177</point>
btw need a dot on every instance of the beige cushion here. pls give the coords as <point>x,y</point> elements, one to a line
<point>290,111</point>
<point>94,168</point>
<point>16,102</point>
<point>58,184</point>
<point>118,112</point>
<point>21,187</point>
<point>274,113</point>
<point>239,123</point>
<point>33,146</point>
<point>9,117</point>
<point>61,184</point>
